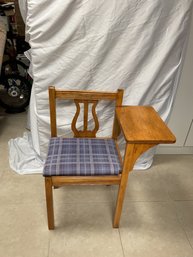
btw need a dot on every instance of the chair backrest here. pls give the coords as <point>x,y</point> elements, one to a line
<point>86,98</point>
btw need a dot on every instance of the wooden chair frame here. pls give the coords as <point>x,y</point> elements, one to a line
<point>142,128</point>
<point>85,97</point>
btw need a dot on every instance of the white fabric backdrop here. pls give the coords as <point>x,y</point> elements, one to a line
<point>103,45</point>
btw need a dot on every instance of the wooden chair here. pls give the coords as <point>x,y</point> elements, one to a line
<point>98,162</point>
<point>86,159</point>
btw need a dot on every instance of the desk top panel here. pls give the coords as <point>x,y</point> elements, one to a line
<point>142,124</point>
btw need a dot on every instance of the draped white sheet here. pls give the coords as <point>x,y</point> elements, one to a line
<point>104,45</point>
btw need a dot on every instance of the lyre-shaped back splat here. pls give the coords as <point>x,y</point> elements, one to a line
<point>85,132</point>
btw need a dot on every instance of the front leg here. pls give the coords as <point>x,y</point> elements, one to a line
<point>132,153</point>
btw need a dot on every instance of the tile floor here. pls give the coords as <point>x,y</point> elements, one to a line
<point>157,218</point>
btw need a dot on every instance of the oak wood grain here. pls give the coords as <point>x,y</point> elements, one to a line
<point>88,180</point>
<point>49,202</point>
<point>142,124</point>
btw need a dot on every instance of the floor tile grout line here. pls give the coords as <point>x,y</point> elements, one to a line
<point>181,226</point>
<point>48,253</point>
<point>121,243</point>
<point>187,237</point>
<point>191,200</point>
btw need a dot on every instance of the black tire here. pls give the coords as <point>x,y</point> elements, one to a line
<point>15,67</point>
<point>15,93</point>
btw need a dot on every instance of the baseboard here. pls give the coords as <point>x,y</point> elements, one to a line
<point>174,150</point>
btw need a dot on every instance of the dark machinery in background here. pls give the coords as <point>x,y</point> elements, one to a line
<point>15,82</point>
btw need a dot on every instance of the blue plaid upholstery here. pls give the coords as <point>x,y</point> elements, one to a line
<point>81,157</point>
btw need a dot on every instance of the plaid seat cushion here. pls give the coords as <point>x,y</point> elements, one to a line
<point>81,157</point>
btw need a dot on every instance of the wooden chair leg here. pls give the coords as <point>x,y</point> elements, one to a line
<point>127,166</point>
<point>120,199</point>
<point>132,152</point>
<point>49,202</point>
